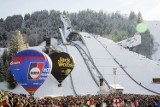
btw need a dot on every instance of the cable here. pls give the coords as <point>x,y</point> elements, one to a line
<point>127,72</point>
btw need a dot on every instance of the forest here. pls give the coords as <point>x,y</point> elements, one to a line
<point>115,26</point>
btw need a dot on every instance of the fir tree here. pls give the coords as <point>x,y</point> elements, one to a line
<point>140,19</point>
<point>1,70</point>
<point>16,45</point>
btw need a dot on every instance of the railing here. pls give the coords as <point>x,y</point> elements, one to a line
<point>127,72</point>
<point>79,49</point>
<point>92,62</point>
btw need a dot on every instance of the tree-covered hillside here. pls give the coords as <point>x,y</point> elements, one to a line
<point>114,26</point>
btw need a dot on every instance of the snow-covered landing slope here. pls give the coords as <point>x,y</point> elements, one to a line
<point>82,80</point>
<point>137,66</point>
<point>102,52</point>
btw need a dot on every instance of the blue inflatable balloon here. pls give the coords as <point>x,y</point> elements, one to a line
<point>31,68</point>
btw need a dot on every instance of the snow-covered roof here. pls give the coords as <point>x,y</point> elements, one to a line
<point>116,86</point>
<point>131,42</point>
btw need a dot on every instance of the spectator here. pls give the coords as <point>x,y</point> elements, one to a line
<point>8,99</point>
<point>5,102</point>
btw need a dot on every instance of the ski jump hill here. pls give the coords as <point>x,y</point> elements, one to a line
<point>96,57</point>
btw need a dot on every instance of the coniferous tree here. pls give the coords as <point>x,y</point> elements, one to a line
<point>3,39</point>
<point>140,19</point>
<point>1,70</point>
<point>132,16</point>
<point>111,25</point>
<point>16,45</point>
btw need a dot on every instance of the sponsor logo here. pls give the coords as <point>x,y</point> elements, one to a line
<point>15,63</point>
<point>65,62</point>
<point>35,70</point>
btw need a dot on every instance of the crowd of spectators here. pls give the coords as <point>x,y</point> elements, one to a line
<point>9,99</point>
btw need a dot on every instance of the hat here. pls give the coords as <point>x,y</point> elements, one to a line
<point>4,98</point>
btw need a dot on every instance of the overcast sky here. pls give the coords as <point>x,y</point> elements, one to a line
<point>150,9</point>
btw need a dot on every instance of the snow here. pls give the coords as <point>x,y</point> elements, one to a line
<point>67,25</point>
<point>1,51</point>
<point>134,72</point>
<point>81,78</point>
<point>131,42</point>
<point>116,86</point>
<point>138,66</point>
